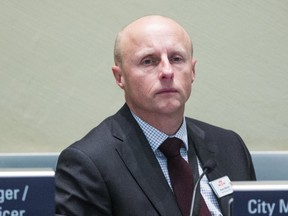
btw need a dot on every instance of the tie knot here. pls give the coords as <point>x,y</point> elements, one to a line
<point>171,147</point>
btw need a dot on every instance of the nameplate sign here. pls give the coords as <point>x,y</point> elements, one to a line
<point>260,198</point>
<point>26,192</point>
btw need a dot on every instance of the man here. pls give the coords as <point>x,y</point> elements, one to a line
<point>118,167</point>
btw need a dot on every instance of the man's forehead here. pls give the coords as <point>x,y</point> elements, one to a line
<point>154,31</point>
<point>149,42</point>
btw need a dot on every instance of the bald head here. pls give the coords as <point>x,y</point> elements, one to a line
<point>133,32</point>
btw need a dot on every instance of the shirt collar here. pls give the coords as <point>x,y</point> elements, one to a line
<point>156,137</point>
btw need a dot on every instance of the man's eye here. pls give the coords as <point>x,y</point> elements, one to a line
<point>176,59</point>
<point>148,61</point>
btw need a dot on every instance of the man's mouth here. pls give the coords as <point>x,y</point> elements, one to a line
<point>167,91</point>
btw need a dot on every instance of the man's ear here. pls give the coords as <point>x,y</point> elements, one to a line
<point>117,72</point>
<point>194,61</point>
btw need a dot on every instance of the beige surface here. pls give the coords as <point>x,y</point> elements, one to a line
<point>56,57</point>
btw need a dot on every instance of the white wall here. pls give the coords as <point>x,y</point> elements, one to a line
<point>56,57</point>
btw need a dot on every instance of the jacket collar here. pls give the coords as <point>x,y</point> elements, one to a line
<point>136,153</point>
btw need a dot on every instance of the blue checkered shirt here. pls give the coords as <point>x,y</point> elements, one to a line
<point>156,138</point>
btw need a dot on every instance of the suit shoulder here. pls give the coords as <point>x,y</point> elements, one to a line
<point>213,133</point>
<point>97,138</point>
<point>204,125</point>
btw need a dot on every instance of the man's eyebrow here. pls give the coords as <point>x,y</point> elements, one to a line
<point>144,52</point>
<point>147,51</point>
<point>180,50</point>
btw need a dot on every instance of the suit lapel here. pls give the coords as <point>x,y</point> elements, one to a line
<point>139,158</point>
<point>205,151</point>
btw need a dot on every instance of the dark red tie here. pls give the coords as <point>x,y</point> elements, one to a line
<point>181,176</point>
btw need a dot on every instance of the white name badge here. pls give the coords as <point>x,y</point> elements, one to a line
<point>222,186</point>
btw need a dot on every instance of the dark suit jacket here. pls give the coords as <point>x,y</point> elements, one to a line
<point>113,171</point>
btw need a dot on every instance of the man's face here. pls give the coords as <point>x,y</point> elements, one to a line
<point>157,68</point>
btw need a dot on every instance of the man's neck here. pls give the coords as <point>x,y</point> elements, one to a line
<point>168,126</point>
<point>166,123</point>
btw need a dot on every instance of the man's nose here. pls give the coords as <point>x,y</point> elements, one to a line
<point>166,71</point>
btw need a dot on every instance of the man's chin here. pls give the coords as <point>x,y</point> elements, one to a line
<point>171,108</point>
